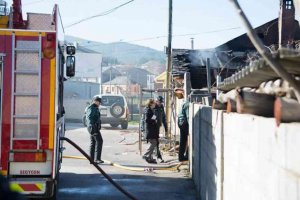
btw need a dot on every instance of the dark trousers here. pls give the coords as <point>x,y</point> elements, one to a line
<point>158,151</point>
<point>150,150</point>
<point>96,143</point>
<point>184,132</point>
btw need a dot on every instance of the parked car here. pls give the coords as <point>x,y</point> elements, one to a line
<point>114,110</point>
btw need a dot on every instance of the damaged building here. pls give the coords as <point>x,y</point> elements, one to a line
<point>245,145</point>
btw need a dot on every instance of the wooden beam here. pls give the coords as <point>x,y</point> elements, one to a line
<point>255,103</point>
<point>231,106</point>
<point>286,110</point>
<point>219,105</point>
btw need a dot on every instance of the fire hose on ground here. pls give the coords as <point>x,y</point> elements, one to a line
<point>174,167</point>
<point>130,196</point>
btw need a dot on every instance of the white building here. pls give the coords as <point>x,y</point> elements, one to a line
<point>88,65</point>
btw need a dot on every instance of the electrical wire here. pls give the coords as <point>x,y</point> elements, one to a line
<point>188,34</point>
<point>165,36</point>
<point>33,2</point>
<point>99,15</point>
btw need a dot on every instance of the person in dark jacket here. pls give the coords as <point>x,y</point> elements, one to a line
<point>161,120</point>
<point>151,130</point>
<point>93,121</point>
<point>161,115</point>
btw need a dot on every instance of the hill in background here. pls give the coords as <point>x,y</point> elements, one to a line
<point>123,53</point>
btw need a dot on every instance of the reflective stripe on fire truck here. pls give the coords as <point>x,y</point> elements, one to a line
<point>3,172</point>
<point>28,188</point>
<point>22,33</point>
<point>52,103</point>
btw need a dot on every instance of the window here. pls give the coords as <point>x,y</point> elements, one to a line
<point>288,5</point>
<point>110,100</point>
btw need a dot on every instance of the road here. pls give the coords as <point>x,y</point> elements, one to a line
<point>80,180</point>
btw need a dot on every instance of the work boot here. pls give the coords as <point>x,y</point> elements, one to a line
<point>153,161</point>
<point>99,161</point>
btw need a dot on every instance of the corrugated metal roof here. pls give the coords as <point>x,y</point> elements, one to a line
<point>259,71</point>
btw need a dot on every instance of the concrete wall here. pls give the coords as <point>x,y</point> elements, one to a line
<point>261,161</point>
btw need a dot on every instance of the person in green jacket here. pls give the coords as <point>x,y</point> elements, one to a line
<point>93,121</point>
<point>183,124</point>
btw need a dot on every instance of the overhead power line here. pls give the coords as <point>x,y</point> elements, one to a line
<point>164,36</point>
<point>182,35</point>
<point>99,15</point>
<point>33,2</point>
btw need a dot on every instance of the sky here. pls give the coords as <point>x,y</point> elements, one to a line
<point>145,22</point>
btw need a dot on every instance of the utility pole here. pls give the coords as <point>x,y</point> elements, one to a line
<point>110,79</point>
<point>169,65</point>
<point>192,43</point>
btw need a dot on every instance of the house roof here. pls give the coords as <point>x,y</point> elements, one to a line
<point>232,55</point>
<point>136,75</point>
<point>161,77</point>
<point>194,61</point>
<point>119,80</point>
<point>268,33</point>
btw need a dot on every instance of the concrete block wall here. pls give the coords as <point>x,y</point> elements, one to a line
<point>261,161</point>
<point>206,151</point>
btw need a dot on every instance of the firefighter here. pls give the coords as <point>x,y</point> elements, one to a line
<point>161,119</point>
<point>94,125</point>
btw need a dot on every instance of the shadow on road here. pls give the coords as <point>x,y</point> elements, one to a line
<point>93,186</point>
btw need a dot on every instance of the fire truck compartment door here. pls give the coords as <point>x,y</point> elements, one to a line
<point>30,168</point>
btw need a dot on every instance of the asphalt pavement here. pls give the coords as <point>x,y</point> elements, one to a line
<point>81,180</point>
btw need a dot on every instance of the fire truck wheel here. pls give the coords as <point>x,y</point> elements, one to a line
<point>55,190</point>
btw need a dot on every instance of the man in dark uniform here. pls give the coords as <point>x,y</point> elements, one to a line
<point>161,119</point>
<point>94,125</point>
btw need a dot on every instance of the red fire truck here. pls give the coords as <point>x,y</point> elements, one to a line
<point>32,75</point>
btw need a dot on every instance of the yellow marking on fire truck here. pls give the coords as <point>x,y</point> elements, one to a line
<point>52,102</point>
<point>40,186</point>
<point>26,187</point>
<point>16,187</point>
<point>3,172</point>
<point>29,33</point>
<point>22,33</point>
